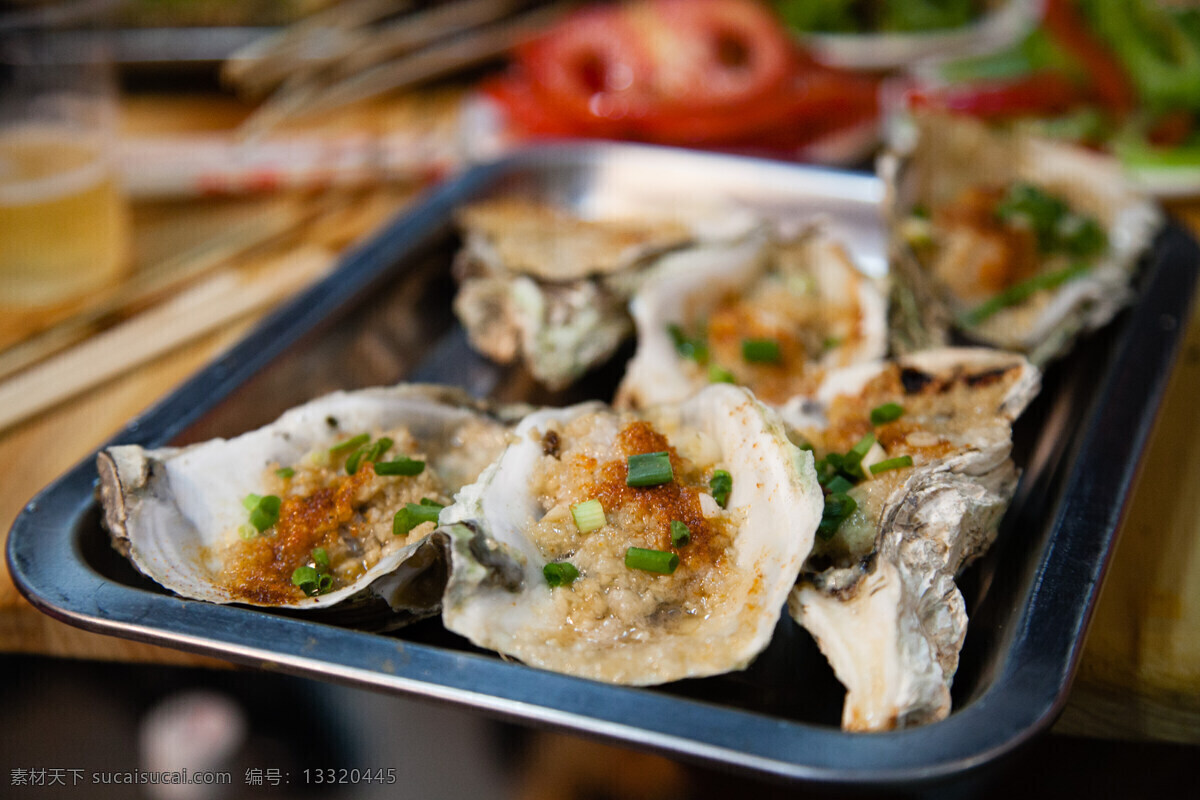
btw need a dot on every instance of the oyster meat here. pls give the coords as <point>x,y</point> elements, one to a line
<point>309,510</point>
<point>765,313</point>
<point>683,577</point>
<point>914,456</point>
<point>1015,241</point>
<point>550,289</point>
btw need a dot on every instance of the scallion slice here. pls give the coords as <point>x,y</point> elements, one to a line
<point>412,515</point>
<point>721,485</point>
<point>266,513</point>
<point>350,445</point>
<point>898,462</point>
<point>355,459</point>
<point>560,573</point>
<point>1020,292</point>
<point>250,501</point>
<point>588,516</point>
<point>320,556</point>
<point>694,348</point>
<point>761,351</point>
<point>324,583</point>
<point>649,469</point>
<point>839,484</point>
<point>681,534</point>
<point>401,466</point>
<point>718,374</point>
<point>308,579</point>
<point>837,508</point>
<point>888,412</point>
<point>285,472</point>
<point>651,560</point>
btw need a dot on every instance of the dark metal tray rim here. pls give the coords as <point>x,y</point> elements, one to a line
<point>49,569</point>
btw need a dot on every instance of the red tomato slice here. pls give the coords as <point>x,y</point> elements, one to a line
<point>1042,92</point>
<point>1108,78</point>
<point>709,53</point>
<point>592,67</point>
<point>526,111</point>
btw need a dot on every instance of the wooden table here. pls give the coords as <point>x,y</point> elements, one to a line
<point>1140,673</point>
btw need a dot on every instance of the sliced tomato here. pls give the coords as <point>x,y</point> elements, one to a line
<point>526,111</point>
<point>1043,92</point>
<point>593,68</point>
<point>709,53</point>
<point>1112,85</point>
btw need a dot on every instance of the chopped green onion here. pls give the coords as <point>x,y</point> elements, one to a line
<point>247,531</point>
<point>892,463</point>
<point>285,472</point>
<point>250,501</point>
<point>379,448</point>
<point>308,579</point>
<point>693,348</point>
<point>1019,292</point>
<point>762,351</point>
<point>888,412</point>
<point>401,466</point>
<point>350,444</point>
<point>429,501</point>
<point>721,485</point>
<point>649,469</point>
<point>861,448</point>
<point>681,534</point>
<point>839,484</point>
<point>651,560</point>
<point>718,374</point>
<point>837,508</point>
<point>266,513</point>
<point>352,463</point>
<point>320,556</point>
<point>588,516</point>
<point>324,583</point>
<point>830,342</point>
<point>560,573</point>
<point>412,515</point>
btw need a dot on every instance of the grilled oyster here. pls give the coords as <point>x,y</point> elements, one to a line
<point>302,513</point>
<point>1017,242</point>
<point>767,314</point>
<point>915,457</point>
<point>550,289</point>
<point>624,620</point>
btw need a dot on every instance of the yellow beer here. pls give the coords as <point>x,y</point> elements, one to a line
<point>63,229</point>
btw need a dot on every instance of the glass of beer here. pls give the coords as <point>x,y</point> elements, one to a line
<point>63,222</point>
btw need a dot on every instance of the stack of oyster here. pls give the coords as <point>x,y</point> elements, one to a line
<point>761,453</point>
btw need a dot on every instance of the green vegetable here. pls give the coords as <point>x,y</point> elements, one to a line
<point>412,515</point>
<point>649,469</point>
<point>891,463</point>
<point>718,374</point>
<point>560,573</point>
<point>838,507</point>
<point>888,412</point>
<point>681,534</point>
<point>401,466</point>
<point>761,351</point>
<point>588,516</point>
<point>694,348</point>
<point>320,556</point>
<point>1156,47</point>
<point>265,512</point>
<point>651,560</point>
<point>1019,292</point>
<point>285,472</point>
<point>721,485</point>
<point>350,445</point>
<point>311,582</point>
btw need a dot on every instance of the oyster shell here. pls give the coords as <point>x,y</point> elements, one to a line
<point>879,595</point>
<point>181,514</point>
<point>804,295</point>
<point>713,614</point>
<point>967,256</point>
<point>539,285</point>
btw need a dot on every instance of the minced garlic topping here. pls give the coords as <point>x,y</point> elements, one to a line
<point>586,459</point>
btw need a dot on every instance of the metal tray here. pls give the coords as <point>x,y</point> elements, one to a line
<point>385,316</point>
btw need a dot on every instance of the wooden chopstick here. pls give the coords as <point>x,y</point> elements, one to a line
<point>305,97</point>
<point>215,301</point>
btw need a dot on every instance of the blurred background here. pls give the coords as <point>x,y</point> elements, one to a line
<point>171,170</point>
